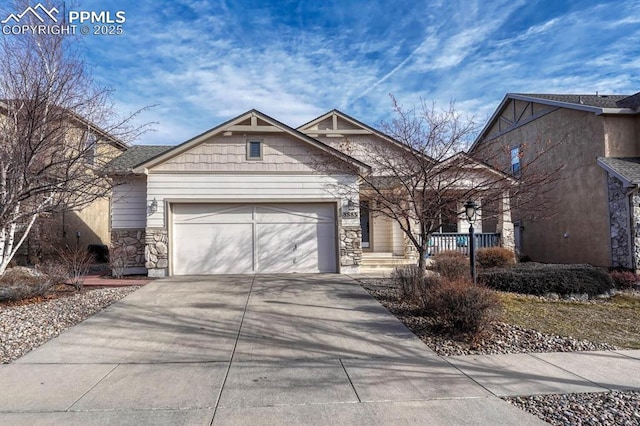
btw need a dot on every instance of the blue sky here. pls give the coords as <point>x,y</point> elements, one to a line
<point>203,62</point>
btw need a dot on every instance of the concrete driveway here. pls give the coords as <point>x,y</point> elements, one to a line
<point>294,349</point>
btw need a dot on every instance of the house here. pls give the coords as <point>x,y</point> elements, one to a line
<point>595,142</point>
<point>66,132</point>
<point>253,195</point>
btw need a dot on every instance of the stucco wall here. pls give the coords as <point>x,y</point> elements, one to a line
<point>579,229</point>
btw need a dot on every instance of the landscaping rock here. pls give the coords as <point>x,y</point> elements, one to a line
<point>25,327</point>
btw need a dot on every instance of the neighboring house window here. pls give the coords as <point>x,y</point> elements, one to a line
<point>515,160</point>
<point>449,222</point>
<point>254,150</point>
<point>90,148</point>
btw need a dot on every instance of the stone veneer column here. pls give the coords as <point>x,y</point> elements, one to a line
<point>410,251</point>
<point>619,223</point>
<point>132,241</point>
<point>156,252</point>
<point>634,209</point>
<point>350,249</point>
<point>505,225</point>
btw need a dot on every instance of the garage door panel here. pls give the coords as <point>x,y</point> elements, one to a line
<point>295,213</point>
<point>287,248</point>
<point>216,239</point>
<point>206,213</point>
<point>213,249</point>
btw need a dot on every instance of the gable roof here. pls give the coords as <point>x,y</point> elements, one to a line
<point>626,169</point>
<point>364,129</point>
<point>254,117</point>
<point>135,155</point>
<point>478,163</point>
<point>597,104</point>
<point>5,104</point>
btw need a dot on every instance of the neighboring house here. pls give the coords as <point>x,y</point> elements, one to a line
<point>595,139</point>
<point>90,224</point>
<point>252,195</point>
<point>82,226</point>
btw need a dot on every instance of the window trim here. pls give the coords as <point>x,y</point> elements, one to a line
<point>261,145</point>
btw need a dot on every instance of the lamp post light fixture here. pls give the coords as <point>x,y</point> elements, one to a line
<point>470,209</point>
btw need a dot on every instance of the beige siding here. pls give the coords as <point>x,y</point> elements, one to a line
<point>398,239</point>
<point>281,153</point>
<point>194,187</point>
<point>129,204</point>
<point>369,149</point>
<point>382,235</point>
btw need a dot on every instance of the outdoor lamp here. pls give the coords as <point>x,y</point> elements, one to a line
<point>470,208</point>
<point>153,206</point>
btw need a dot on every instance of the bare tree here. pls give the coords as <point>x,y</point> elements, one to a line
<point>54,123</point>
<point>420,181</point>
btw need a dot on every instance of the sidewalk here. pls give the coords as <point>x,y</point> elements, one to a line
<point>552,373</point>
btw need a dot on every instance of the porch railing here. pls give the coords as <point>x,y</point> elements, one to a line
<point>460,242</point>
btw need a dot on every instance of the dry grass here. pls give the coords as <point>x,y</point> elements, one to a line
<point>614,321</point>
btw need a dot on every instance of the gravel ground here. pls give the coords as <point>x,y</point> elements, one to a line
<point>25,327</point>
<point>500,338</point>
<point>609,408</point>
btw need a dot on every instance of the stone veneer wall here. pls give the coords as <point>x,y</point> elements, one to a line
<point>635,234</point>
<point>619,223</point>
<point>350,248</point>
<point>133,241</point>
<point>156,252</point>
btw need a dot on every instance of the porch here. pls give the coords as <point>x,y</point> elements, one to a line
<point>439,242</point>
<point>459,242</point>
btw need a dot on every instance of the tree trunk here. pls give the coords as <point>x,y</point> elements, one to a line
<point>10,249</point>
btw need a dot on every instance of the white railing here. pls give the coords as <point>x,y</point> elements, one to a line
<point>460,242</point>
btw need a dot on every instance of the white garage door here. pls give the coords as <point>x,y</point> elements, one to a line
<point>242,238</point>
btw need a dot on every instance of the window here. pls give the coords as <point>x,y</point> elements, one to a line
<point>515,160</point>
<point>254,150</point>
<point>449,217</point>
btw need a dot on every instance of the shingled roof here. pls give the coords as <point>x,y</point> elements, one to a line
<point>598,101</point>
<point>135,155</point>
<point>627,169</point>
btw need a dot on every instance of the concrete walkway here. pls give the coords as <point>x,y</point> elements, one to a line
<point>301,349</point>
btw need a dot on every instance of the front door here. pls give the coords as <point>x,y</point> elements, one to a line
<point>365,220</point>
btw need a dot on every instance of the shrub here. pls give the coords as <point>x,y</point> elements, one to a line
<point>462,306</point>
<point>21,283</point>
<point>451,264</point>
<point>495,257</point>
<point>119,260</point>
<point>539,279</point>
<point>413,284</point>
<point>625,279</point>
<point>76,262</point>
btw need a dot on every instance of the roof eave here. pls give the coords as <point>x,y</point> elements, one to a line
<point>550,102</point>
<point>626,183</point>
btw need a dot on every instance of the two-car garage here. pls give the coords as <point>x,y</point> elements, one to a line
<point>217,238</point>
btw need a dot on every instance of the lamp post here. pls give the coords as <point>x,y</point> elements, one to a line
<point>470,208</point>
